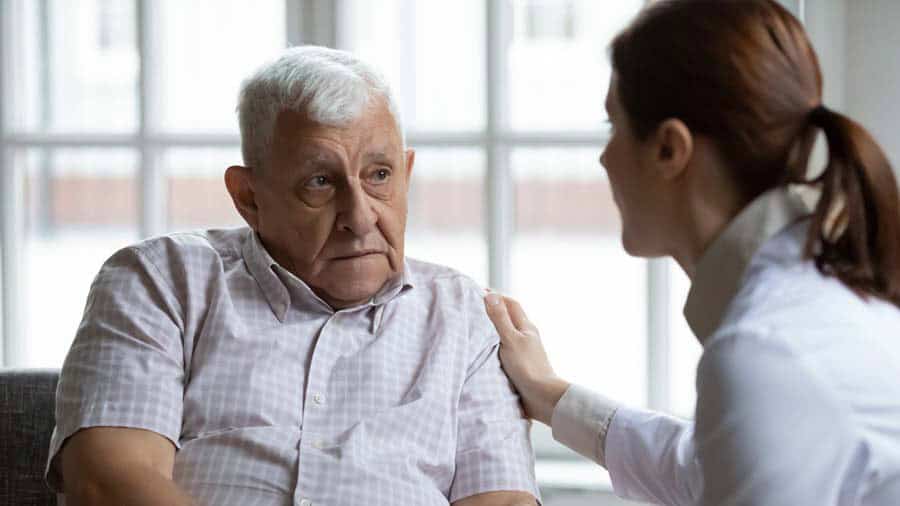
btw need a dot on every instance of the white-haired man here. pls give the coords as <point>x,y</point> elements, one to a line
<point>302,360</point>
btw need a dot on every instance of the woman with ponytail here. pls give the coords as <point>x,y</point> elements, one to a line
<point>715,106</point>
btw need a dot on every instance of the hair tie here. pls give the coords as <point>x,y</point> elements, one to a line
<point>818,114</point>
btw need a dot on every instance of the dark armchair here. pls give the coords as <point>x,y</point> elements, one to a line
<point>27,403</point>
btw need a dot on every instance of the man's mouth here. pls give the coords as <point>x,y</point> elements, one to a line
<point>357,254</point>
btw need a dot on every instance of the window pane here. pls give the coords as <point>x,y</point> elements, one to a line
<point>432,53</point>
<point>77,66</point>
<point>585,294</point>
<point>207,47</point>
<point>569,270</point>
<point>68,237</point>
<point>446,210</point>
<point>196,188</point>
<point>558,64</point>
<point>685,348</point>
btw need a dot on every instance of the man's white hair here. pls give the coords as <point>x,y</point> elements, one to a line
<point>329,86</point>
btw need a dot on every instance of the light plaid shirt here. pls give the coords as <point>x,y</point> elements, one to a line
<point>273,398</point>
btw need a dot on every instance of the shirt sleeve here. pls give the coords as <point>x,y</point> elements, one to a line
<point>125,366</point>
<point>581,421</point>
<point>494,450</point>
<point>768,431</point>
<point>651,457</point>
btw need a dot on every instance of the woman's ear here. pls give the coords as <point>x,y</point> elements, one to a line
<point>239,184</point>
<point>673,148</point>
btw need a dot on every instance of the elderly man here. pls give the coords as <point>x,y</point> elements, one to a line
<point>302,360</point>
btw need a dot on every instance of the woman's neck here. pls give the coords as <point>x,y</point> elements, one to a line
<point>711,201</point>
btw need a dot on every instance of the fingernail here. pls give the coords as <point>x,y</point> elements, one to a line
<point>492,299</point>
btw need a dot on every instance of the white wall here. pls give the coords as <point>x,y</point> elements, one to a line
<point>859,50</point>
<point>873,70</point>
<point>826,23</point>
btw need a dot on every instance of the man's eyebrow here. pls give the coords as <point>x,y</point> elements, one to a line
<point>378,156</point>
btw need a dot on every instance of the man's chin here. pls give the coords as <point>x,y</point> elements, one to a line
<point>348,291</point>
<point>345,299</point>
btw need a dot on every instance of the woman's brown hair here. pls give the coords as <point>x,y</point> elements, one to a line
<point>744,74</point>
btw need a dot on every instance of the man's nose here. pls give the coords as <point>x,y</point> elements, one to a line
<point>356,214</point>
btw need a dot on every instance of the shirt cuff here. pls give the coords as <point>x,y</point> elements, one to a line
<point>581,420</point>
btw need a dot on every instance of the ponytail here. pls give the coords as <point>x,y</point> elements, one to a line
<point>855,230</point>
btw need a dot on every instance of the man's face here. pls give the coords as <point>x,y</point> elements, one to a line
<point>332,204</point>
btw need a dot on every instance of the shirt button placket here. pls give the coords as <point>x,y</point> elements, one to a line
<point>314,418</point>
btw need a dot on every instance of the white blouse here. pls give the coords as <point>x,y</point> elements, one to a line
<point>798,388</point>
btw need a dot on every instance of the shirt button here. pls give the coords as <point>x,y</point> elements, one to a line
<point>319,445</point>
<point>306,502</point>
<point>319,399</point>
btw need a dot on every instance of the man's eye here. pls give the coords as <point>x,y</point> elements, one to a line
<point>381,175</point>
<point>318,182</point>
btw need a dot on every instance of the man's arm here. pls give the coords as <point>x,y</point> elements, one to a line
<point>497,499</point>
<point>494,457</point>
<point>119,399</point>
<point>115,466</point>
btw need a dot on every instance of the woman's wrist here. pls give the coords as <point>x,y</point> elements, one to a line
<point>546,394</point>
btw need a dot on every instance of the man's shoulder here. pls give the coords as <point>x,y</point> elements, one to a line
<point>181,256</point>
<point>433,276</point>
<point>192,246</point>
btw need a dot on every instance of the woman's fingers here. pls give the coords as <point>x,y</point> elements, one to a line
<point>517,315</point>
<point>497,312</point>
<point>523,357</point>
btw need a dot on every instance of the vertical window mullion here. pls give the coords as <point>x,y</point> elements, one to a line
<point>318,20</point>
<point>293,16</point>
<point>6,192</point>
<point>499,196</point>
<point>11,205</point>
<point>659,334</point>
<point>46,155</point>
<point>153,205</point>
<point>408,72</point>
<point>12,233</point>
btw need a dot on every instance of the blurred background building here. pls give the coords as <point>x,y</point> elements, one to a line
<point>117,121</point>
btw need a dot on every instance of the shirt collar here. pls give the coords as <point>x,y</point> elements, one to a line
<point>721,267</point>
<point>280,287</point>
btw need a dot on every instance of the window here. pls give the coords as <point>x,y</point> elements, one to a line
<point>131,103</point>
<point>549,20</point>
<point>125,103</point>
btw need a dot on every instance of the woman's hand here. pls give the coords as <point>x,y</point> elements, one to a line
<point>524,359</point>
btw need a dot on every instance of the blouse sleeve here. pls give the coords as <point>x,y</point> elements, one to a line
<point>768,432</point>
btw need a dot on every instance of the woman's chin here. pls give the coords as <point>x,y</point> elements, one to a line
<point>635,247</point>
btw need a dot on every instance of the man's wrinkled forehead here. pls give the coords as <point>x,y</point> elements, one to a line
<point>374,134</point>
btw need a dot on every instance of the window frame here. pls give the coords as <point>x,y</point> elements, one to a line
<point>317,22</point>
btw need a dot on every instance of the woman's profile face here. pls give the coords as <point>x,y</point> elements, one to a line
<point>635,189</point>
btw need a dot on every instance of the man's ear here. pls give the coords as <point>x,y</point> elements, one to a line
<point>410,160</point>
<point>239,184</point>
<point>673,148</point>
